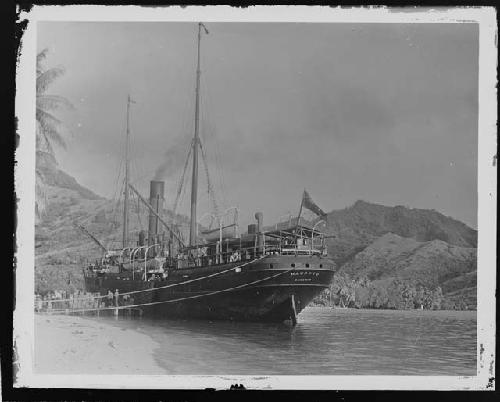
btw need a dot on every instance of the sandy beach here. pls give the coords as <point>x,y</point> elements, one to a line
<point>76,345</point>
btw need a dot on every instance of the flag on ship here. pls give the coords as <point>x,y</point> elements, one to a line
<point>308,203</point>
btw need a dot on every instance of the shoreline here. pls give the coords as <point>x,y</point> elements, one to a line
<point>78,345</point>
<point>384,309</point>
<point>103,346</point>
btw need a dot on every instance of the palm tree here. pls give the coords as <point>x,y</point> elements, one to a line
<point>49,129</point>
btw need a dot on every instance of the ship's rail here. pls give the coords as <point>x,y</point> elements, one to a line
<point>298,240</point>
<point>236,253</point>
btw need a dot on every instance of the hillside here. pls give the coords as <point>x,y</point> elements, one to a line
<point>358,226</point>
<point>61,250</point>
<point>429,264</point>
<point>375,246</point>
<point>55,177</point>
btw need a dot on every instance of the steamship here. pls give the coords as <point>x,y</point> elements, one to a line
<point>265,274</point>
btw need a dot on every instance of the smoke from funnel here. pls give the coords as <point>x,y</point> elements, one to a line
<point>173,159</point>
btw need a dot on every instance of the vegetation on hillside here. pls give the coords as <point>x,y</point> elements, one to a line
<point>398,272</point>
<point>359,225</point>
<point>393,293</point>
<point>390,272</point>
<point>431,263</point>
<point>61,250</point>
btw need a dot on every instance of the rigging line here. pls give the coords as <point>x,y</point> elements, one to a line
<point>182,222</point>
<point>141,227</point>
<point>140,171</point>
<point>186,126</point>
<point>205,135</point>
<point>219,171</point>
<point>133,169</point>
<point>195,279</point>
<point>116,202</point>
<point>118,176</point>
<point>137,169</point>
<point>232,289</point>
<point>173,284</point>
<point>208,106</point>
<point>187,104</point>
<point>137,180</point>
<point>181,181</point>
<point>118,187</point>
<point>137,154</point>
<point>209,184</point>
<point>116,207</point>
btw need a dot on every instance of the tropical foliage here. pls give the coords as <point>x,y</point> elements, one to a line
<point>385,294</point>
<point>49,129</point>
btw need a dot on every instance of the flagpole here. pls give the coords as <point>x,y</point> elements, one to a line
<point>301,205</point>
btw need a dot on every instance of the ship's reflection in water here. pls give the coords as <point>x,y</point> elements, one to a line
<point>324,342</point>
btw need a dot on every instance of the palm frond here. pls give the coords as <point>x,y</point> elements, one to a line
<point>51,135</point>
<point>39,58</point>
<point>50,127</point>
<point>40,195</point>
<point>43,117</point>
<point>51,102</point>
<point>46,78</point>
<point>43,145</point>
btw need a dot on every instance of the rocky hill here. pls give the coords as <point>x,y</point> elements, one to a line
<point>52,176</point>
<point>61,250</point>
<point>423,247</point>
<point>358,226</point>
<point>430,264</point>
<point>372,242</point>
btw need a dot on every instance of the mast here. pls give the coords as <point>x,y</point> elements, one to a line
<point>196,141</point>
<point>125,199</point>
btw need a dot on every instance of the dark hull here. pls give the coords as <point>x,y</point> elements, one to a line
<point>262,291</point>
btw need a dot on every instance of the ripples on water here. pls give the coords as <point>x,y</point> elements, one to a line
<point>324,342</point>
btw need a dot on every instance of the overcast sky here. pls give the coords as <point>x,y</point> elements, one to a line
<point>386,113</point>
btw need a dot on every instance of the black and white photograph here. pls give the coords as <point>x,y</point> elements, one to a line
<point>280,197</point>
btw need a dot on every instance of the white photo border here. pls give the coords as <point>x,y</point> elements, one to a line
<point>487,179</point>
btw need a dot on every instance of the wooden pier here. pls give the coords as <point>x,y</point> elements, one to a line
<point>90,305</point>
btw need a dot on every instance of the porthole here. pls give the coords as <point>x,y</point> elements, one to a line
<point>293,265</point>
<point>321,265</point>
<point>307,265</point>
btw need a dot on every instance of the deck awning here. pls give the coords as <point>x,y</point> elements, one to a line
<point>294,231</point>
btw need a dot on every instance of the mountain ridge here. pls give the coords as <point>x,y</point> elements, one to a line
<point>378,242</point>
<point>430,263</point>
<point>52,175</point>
<point>357,226</point>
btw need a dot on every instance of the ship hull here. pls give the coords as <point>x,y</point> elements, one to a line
<point>272,289</point>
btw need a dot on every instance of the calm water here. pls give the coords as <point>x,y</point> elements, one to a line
<point>324,342</point>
